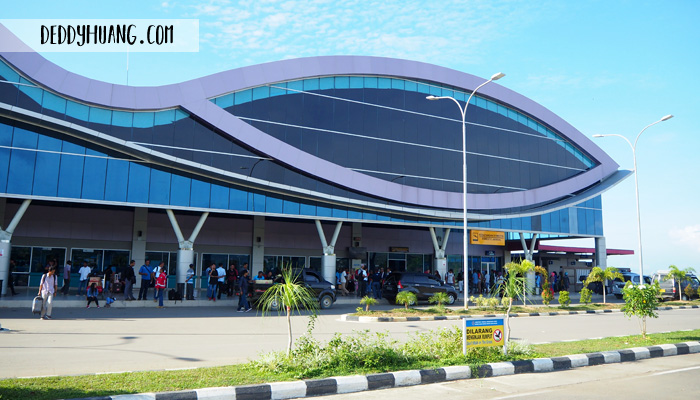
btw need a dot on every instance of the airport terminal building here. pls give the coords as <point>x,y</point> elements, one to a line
<point>322,162</point>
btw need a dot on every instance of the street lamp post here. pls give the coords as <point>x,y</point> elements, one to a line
<point>495,77</point>
<point>636,187</point>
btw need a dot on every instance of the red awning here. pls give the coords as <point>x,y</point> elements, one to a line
<point>566,249</point>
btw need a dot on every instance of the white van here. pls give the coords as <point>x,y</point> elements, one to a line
<point>669,288</point>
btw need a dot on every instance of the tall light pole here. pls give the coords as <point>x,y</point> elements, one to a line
<point>495,77</point>
<point>636,187</point>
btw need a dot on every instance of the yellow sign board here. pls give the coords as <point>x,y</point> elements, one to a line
<point>487,237</point>
<point>483,333</point>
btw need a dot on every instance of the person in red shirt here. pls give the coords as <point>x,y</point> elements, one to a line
<point>161,283</point>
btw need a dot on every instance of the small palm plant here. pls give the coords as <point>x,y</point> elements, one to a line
<point>440,299</point>
<point>292,296</point>
<point>368,301</point>
<point>679,276</point>
<point>406,298</point>
<point>512,289</point>
<point>598,274</point>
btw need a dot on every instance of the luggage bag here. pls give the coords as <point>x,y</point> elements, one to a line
<point>37,304</point>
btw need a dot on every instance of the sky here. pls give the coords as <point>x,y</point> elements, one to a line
<point>606,67</point>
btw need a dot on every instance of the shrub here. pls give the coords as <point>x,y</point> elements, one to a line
<point>564,299</point>
<point>406,298</point>
<point>368,301</point>
<point>486,302</point>
<point>439,298</point>
<point>586,296</point>
<point>547,295</point>
<point>690,291</point>
<point>641,301</point>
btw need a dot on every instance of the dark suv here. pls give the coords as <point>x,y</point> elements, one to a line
<point>324,290</point>
<point>422,285</point>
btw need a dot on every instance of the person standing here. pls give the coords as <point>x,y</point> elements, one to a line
<point>344,282</point>
<point>212,283</point>
<point>11,277</point>
<point>47,289</point>
<point>362,279</point>
<point>84,272</point>
<point>92,294</point>
<point>487,282</point>
<point>231,279</point>
<point>129,280</point>
<point>161,284</point>
<point>450,278</point>
<point>145,271</point>
<point>221,281</point>
<point>66,278</point>
<point>156,271</point>
<point>243,305</point>
<point>189,283</point>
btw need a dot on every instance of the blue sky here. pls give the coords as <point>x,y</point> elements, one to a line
<point>603,66</point>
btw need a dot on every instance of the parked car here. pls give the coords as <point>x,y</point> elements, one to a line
<point>669,288</point>
<point>324,290</point>
<point>618,284</point>
<point>421,284</point>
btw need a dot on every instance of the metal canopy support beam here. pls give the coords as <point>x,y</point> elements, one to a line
<point>6,245</point>
<point>440,247</point>
<point>185,253</point>
<point>530,276</point>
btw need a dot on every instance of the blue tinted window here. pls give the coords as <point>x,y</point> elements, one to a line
<point>291,207</point>
<point>238,200</point>
<point>22,162</point>
<point>100,115</point>
<point>342,82</point>
<point>139,182</point>
<point>122,118</point>
<point>77,111</point>
<point>307,209</point>
<point>311,84</point>
<point>258,202</point>
<point>70,176</point>
<point>338,213</point>
<point>143,119</point>
<point>219,197</point>
<point>5,140</point>
<point>261,92</point>
<point>94,176</point>
<point>354,215</point>
<point>54,103</point>
<point>323,211</point>
<point>180,190</point>
<point>225,101</point>
<point>273,205</point>
<point>243,96</point>
<point>370,82</point>
<point>326,83</point>
<point>356,82</point>
<point>159,191</point>
<point>47,165</point>
<point>201,192</point>
<point>165,117</point>
<point>117,180</point>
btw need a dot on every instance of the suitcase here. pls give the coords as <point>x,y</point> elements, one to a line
<point>37,305</point>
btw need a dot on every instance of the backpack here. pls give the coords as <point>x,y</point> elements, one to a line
<point>174,295</point>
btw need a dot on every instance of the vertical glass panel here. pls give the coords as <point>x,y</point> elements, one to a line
<point>340,213</point>
<point>122,118</point>
<point>180,191</point>
<point>258,202</point>
<point>100,115</point>
<point>238,200</point>
<point>370,82</point>
<point>159,192</point>
<point>225,101</point>
<point>295,86</point>
<point>342,82</point>
<point>201,192</point>
<point>311,84</point>
<point>139,182</point>
<point>117,180</point>
<point>78,111</point>
<point>41,256</point>
<point>356,82</point>
<point>261,92</point>
<point>22,162</point>
<point>143,119</point>
<point>244,96</point>
<point>278,89</point>
<point>291,207</point>
<point>307,209</point>
<point>70,176</point>
<point>411,86</point>
<point>94,176</point>
<point>92,256</point>
<point>32,98</point>
<point>47,165</point>
<point>54,103</point>
<point>273,205</point>
<point>5,140</point>
<point>219,197</point>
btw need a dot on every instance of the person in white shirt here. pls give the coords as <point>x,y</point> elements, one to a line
<point>47,289</point>
<point>344,282</point>
<point>84,272</point>
<point>221,272</point>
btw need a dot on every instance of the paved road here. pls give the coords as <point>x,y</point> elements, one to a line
<point>82,340</point>
<point>659,378</point>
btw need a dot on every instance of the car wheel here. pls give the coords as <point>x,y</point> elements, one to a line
<point>451,298</point>
<point>326,302</point>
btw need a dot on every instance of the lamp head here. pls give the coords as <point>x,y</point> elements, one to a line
<point>598,135</point>
<point>431,97</point>
<point>497,76</point>
<point>666,118</point>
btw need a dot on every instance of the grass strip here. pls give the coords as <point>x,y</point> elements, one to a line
<point>245,374</point>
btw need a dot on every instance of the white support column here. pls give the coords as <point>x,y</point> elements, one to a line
<point>328,261</point>
<point>439,237</point>
<point>257,262</point>
<point>530,276</point>
<point>601,253</point>
<point>185,253</point>
<point>6,246</point>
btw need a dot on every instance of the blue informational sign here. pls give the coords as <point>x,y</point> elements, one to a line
<point>483,333</point>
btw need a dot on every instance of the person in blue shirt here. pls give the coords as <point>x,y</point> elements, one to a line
<point>92,294</point>
<point>260,276</point>
<point>145,271</point>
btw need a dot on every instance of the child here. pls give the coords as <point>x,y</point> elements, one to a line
<point>161,283</point>
<point>92,295</point>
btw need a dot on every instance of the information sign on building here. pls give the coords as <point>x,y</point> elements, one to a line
<point>488,237</point>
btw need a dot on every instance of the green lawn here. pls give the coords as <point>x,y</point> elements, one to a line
<point>251,373</point>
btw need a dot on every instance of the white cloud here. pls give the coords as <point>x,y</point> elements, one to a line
<point>688,236</point>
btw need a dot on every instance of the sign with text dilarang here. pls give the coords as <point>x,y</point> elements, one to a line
<point>487,332</point>
<point>487,237</point>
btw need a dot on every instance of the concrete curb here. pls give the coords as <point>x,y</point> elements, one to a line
<point>353,318</point>
<point>359,383</point>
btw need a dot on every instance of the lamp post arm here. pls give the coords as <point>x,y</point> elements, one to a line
<point>642,131</point>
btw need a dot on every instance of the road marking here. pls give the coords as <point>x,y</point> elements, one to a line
<point>675,371</point>
<point>528,394</point>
